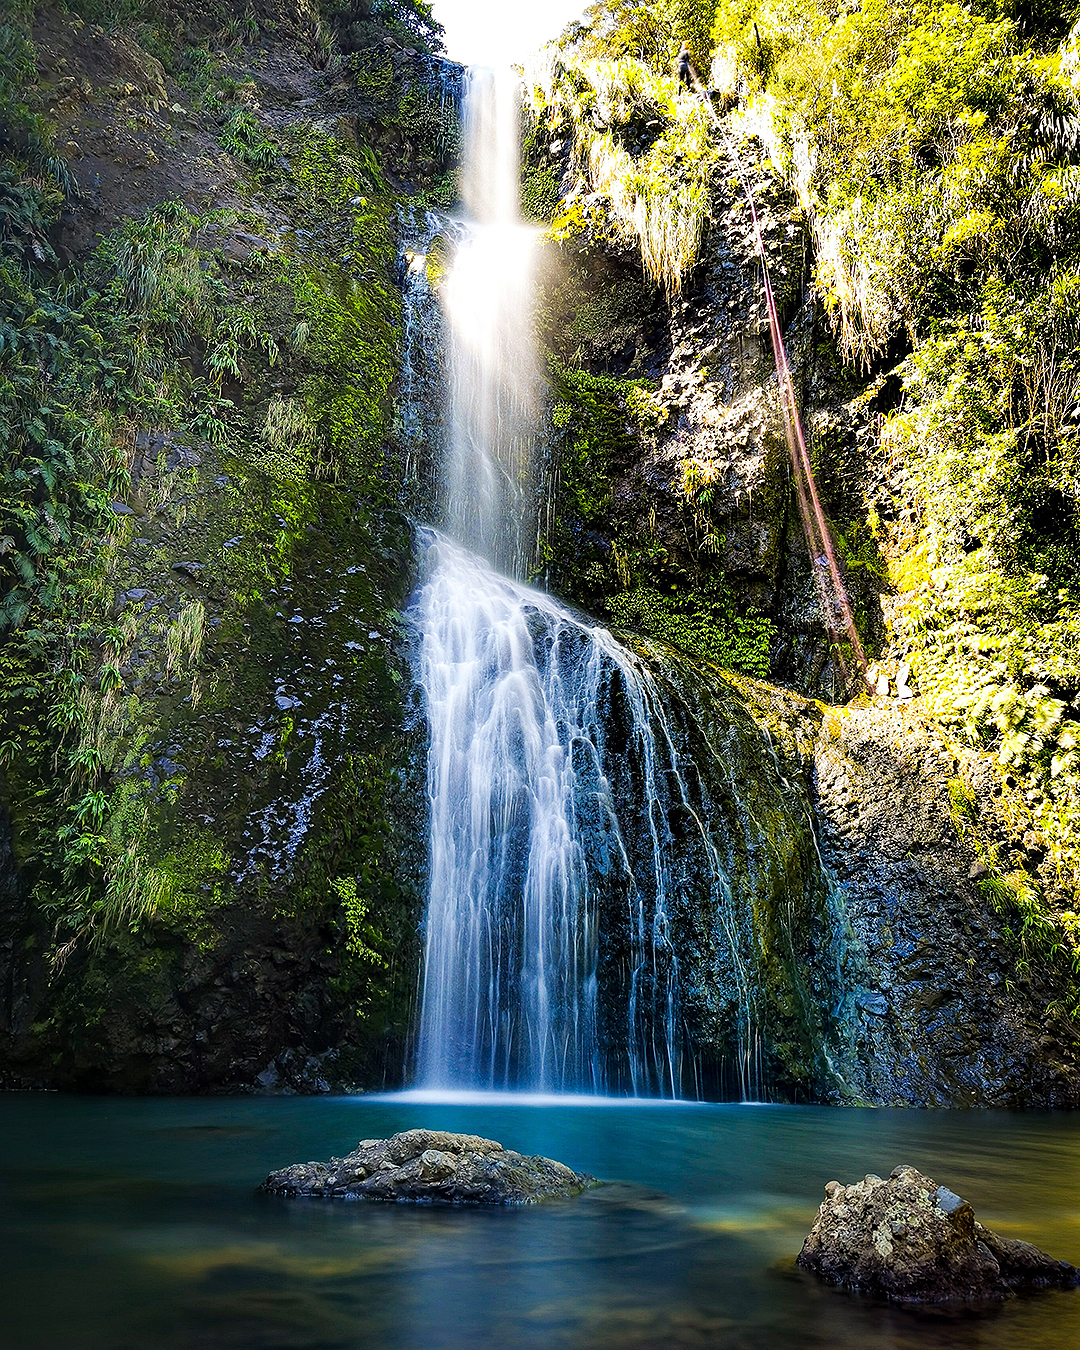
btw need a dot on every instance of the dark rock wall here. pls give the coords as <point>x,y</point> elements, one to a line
<point>933,1003</point>
<point>697,507</point>
<point>263,782</point>
<point>848,955</point>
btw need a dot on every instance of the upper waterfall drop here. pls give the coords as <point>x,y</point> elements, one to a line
<point>488,475</point>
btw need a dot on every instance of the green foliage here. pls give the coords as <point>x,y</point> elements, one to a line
<point>642,155</point>
<point>33,178</point>
<point>147,333</point>
<point>359,935</point>
<point>360,24</point>
<point>73,360</point>
<point>936,149</point>
<point>1029,926</point>
<point>703,623</point>
<point>650,33</point>
<point>243,136</point>
<point>961,805</point>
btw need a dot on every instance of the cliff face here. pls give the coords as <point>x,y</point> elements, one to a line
<point>933,1002</point>
<point>690,530</point>
<point>945,837</point>
<point>211,762</point>
<point>212,859</point>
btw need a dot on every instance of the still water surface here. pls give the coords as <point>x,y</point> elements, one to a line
<point>135,1225</point>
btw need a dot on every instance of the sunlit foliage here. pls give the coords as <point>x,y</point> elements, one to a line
<point>641,152</point>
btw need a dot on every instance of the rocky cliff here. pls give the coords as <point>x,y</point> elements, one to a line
<point>213,853</point>
<point>210,752</point>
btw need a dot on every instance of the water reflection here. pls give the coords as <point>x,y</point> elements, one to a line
<point>136,1224</point>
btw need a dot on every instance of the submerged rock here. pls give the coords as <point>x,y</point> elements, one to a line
<point>913,1241</point>
<point>433,1167</point>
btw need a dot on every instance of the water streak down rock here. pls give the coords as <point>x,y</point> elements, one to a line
<point>912,1241</point>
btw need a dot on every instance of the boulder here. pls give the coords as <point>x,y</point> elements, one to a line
<point>910,1240</point>
<point>432,1167</point>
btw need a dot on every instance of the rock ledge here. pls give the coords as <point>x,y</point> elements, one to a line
<point>431,1167</point>
<point>913,1241</point>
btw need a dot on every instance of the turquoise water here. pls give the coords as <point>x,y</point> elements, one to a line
<point>135,1225</point>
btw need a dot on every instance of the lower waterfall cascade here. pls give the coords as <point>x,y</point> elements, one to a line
<point>523,830</point>
<point>595,812</point>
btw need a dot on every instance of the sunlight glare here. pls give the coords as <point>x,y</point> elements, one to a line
<point>493,33</point>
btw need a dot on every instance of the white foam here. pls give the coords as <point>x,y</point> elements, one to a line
<point>466,1097</point>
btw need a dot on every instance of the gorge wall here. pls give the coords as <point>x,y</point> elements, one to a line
<point>213,866</point>
<point>219,849</point>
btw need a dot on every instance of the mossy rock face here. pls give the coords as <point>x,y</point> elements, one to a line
<point>215,798</point>
<point>674,514</point>
<point>746,912</point>
<point>410,113</point>
<point>829,936</point>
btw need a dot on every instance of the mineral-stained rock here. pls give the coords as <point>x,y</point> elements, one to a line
<point>913,1241</point>
<point>433,1167</point>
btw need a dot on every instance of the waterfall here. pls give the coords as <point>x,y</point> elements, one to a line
<point>561,806</point>
<point>488,299</point>
<point>527,843</point>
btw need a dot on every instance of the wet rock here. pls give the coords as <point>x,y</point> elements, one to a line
<point>431,1167</point>
<point>872,1002</point>
<point>910,1240</point>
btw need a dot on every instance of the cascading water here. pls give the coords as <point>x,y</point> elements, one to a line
<point>487,298</point>
<point>566,827</point>
<point>526,844</point>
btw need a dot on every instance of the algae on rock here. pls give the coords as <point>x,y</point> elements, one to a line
<point>219,889</point>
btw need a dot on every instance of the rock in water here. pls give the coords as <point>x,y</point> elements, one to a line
<point>432,1167</point>
<point>913,1241</point>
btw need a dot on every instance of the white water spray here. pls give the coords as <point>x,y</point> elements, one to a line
<point>488,474</point>
<point>526,840</point>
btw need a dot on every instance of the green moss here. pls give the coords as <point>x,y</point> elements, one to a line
<point>703,624</point>
<point>195,867</point>
<point>540,194</point>
<point>373,73</point>
<point>352,347</point>
<point>591,432</point>
<point>276,375</point>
